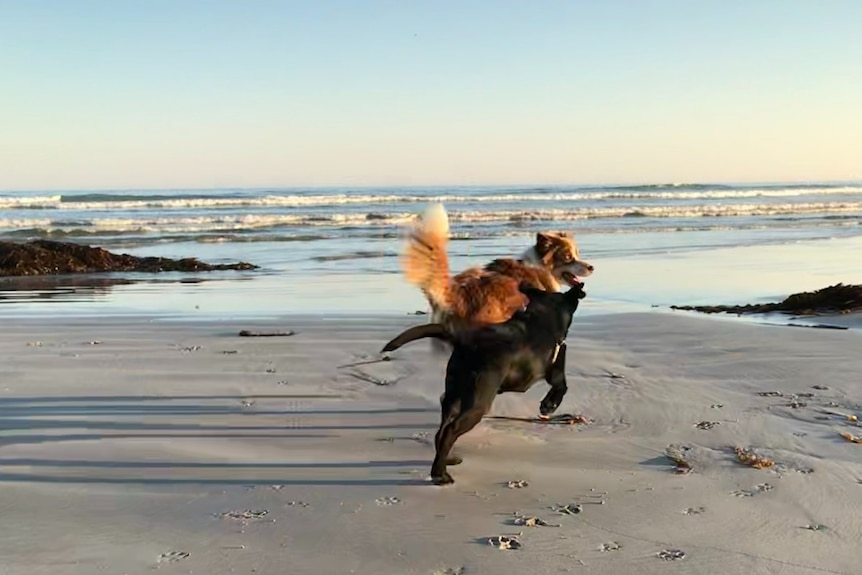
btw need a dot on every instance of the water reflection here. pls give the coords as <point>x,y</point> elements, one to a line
<point>223,295</point>
<point>83,287</point>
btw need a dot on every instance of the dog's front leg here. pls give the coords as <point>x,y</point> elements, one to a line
<point>556,378</point>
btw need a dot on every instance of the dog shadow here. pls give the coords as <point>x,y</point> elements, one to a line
<point>39,420</point>
<point>251,481</point>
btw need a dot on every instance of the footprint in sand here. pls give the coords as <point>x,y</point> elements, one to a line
<point>504,542</point>
<point>245,515</point>
<point>517,484</point>
<point>449,571</point>
<point>610,546</point>
<point>173,556</point>
<point>705,425</point>
<point>694,511</point>
<point>533,522</point>
<point>387,501</point>
<point>783,469</point>
<point>570,509</point>
<point>762,488</point>
<point>189,348</point>
<point>421,437</point>
<point>671,554</point>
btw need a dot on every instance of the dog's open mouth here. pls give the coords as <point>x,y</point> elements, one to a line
<point>571,279</point>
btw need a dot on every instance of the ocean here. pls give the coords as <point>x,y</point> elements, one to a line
<point>335,250</point>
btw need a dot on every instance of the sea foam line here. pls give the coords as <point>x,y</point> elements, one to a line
<point>258,221</point>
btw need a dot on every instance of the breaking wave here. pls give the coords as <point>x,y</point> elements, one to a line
<point>105,202</point>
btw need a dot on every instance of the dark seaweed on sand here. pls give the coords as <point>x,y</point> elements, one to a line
<point>838,298</point>
<point>45,257</point>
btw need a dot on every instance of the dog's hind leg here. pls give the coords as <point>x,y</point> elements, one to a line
<point>469,416</point>
<point>556,378</point>
<point>449,410</point>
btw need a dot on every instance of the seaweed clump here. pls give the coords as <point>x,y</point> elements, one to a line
<point>46,257</point>
<point>839,298</point>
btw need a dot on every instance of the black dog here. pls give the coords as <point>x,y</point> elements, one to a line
<point>488,361</point>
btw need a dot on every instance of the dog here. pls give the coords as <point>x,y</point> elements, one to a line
<point>481,296</point>
<point>498,358</point>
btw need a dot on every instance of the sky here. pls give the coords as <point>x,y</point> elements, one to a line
<point>195,94</point>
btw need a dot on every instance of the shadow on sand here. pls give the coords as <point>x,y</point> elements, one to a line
<point>32,420</point>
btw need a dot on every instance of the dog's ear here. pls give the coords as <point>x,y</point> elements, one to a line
<point>544,242</point>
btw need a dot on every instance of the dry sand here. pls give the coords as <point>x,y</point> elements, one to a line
<point>128,446</point>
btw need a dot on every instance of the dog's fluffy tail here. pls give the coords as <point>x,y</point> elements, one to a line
<point>424,260</point>
<point>434,330</point>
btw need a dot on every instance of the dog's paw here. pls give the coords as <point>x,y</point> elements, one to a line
<point>442,479</point>
<point>547,409</point>
<point>454,460</point>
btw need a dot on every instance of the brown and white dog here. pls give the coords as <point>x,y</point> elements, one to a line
<point>484,295</point>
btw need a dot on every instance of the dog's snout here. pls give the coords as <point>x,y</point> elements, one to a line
<point>590,267</point>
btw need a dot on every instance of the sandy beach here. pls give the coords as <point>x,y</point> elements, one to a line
<point>128,445</point>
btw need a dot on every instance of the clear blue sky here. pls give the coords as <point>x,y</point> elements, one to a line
<point>185,93</point>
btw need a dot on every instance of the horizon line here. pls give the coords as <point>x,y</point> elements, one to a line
<point>625,184</point>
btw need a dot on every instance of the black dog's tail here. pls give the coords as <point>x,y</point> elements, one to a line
<point>435,330</point>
